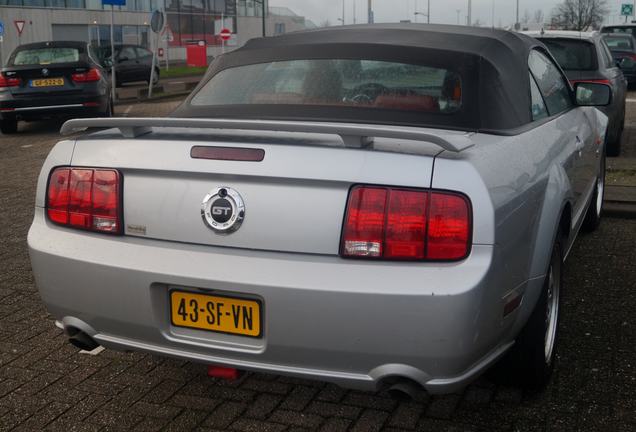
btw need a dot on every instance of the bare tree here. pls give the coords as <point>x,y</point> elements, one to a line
<point>539,17</point>
<point>526,17</point>
<point>580,15</point>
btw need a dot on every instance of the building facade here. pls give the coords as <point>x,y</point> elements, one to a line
<point>188,22</point>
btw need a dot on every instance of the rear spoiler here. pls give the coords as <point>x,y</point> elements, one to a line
<point>352,135</point>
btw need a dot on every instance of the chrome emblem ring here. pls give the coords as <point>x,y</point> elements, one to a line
<point>223,210</point>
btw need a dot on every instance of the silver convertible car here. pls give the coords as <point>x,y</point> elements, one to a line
<point>383,207</point>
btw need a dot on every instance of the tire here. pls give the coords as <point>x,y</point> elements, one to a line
<point>8,126</point>
<point>156,78</point>
<point>595,209</point>
<point>109,109</point>
<point>530,361</point>
<point>613,147</point>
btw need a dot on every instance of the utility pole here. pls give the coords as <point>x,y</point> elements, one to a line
<point>264,11</point>
<point>370,12</point>
<point>458,12</point>
<point>354,11</point>
<point>428,12</point>
<point>517,24</point>
<point>343,12</point>
<point>469,15</point>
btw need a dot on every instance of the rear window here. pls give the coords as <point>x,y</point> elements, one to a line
<point>619,43</point>
<point>628,30</point>
<point>46,56</point>
<point>347,83</point>
<point>574,55</point>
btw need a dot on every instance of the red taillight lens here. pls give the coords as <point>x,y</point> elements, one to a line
<point>85,198</point>
<point>91,75</point>
<point>448,226</point>
<point>364,228</point>
<point>404,224</point>
<point>595,81</point>
<point>8,82</point>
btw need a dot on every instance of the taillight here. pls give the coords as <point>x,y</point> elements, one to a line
<point>595,81</point>
<point>8,81</point>
<point>85,198</point>
<point>91,75</point>
<point>406,224</point>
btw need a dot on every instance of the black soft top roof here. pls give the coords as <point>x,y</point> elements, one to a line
<point>493,65</point>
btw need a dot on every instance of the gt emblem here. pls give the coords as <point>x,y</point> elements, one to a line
<point>45,72</point>
<point>223,210</point>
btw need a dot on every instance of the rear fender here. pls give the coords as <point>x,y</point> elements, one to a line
<point>558,195</point>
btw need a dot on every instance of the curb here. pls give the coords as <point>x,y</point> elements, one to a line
<point>618,209</point>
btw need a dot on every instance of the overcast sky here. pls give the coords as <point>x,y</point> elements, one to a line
<point>442,11</point>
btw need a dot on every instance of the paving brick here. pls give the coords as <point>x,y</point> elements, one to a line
<point>299,398</point>
<point>406,415</point>
<point>296,419</point>
<point>370,420</point>
<point>442,406</point>
<point>250,425</point>
<point>263,406</point>
<point>194,402</point>
<point>336,425</point>
<point>328,409</point>
<point>187,420</point>
<point>225,414</point>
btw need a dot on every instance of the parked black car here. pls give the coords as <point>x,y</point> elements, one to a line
<point>585,57</point>
<point>52,79</point>
<point>134,63</point>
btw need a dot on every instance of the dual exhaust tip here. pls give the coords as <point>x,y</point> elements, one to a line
<point>79,339</point>
<point>402,389</point>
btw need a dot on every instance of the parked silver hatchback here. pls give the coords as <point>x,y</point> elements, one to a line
<point>375,206</point>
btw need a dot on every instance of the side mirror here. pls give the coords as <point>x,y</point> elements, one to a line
<point>592,94</point>
<point>107,63</point>
<point>626,63</point>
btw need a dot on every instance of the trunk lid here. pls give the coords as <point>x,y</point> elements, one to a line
<point>294,198</point>
<point>46,80</point>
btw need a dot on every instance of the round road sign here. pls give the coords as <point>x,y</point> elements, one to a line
<point>225,34</point>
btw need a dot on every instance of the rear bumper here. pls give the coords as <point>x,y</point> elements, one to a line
<point>35,108</point>
<point>350,322</point>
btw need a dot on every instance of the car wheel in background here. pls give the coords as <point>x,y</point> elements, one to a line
<point>530,361</point>
<point>8,126</point>
<point>613,147</point>
<point>595,209</point>
<point>109,109</point>
<point>155,78</point>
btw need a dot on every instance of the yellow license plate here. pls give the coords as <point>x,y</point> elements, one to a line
<point>215,313</point>
<point>48,82</point>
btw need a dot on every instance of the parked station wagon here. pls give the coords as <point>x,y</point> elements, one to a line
<point>382,207</point>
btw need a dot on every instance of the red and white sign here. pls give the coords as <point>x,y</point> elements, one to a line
<point>19,25</point>
<point>225,34</point>
<point>160,52</point>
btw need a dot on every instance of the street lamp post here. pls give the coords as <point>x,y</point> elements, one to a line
<point>427,14</point>
<point>469,15</point>
<point>343,13</point>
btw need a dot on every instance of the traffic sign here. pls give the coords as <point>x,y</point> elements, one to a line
<point>19,25</point>
<point>1,28</point>
<point>627,9</point>
<point>225,34</point>
<point>114,2</point>
<point>157,21</point>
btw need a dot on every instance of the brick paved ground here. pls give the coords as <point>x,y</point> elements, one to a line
<point>46,384</point>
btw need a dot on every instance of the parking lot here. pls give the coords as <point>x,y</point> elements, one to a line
<point>45,383</point>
